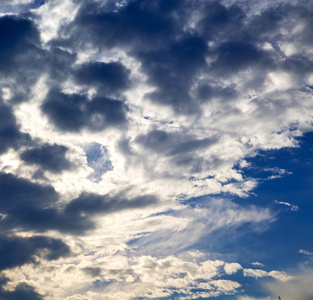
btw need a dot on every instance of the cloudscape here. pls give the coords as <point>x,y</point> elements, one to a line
<point>156,149</point>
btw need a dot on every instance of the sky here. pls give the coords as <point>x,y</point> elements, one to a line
<point>156,149</point>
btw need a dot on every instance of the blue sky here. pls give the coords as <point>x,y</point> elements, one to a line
<point>156,149</point>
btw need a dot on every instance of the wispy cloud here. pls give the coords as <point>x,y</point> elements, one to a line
<point>292,207</point>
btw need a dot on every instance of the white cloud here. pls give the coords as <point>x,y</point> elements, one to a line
<point>52,15</point>
<point>232,268</point>
<point>292,207</point>
<point>257,264</point>
<point>124,276</point>
<point>299,287</point>
<point>257,273</point>
<point>305,252</point>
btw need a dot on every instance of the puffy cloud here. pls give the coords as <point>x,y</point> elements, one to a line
<point>117,275</point>
<point>232,268</point>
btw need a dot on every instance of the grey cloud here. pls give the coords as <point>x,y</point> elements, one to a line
<point>74,112</point>
<point>187,65</point>
<point>110,78</point>
<point>218,21</point>
<point>206,92</point>
<point>15,251</point>
<point>172,144</point>
<point>234,56</point>
<point>172,70</point>
<point>10,136</point>
<point>94,272</point>
<point>50,157</point>
<point>17,193</point>
<point>22,58</point>
<point>60,63</point>
<point>32,206</point>
<point>92,204</point>
<point>22,291</point>
<point>193,145</point>
<point>137,23</point>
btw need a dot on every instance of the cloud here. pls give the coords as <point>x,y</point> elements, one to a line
<point>232,268</point>
<point>10,136</point>
<point>172,143</point>
<point>22,291</point>
<point>292,207</point>
<point>23,60</point>
<point>300,287</point>
<point>172,71</point>
<point>110,78</point>
<point>18,193</point>
<point>132,23</point>
<point>97,204</point>
<point>212,221</point>
<point>124,129</point>
<point>19,6</point>
<point>35,207</point>
<point>73,112</point>
<point>12,256</point>
<point>257,273</point>
<point>305,252</point>
<point>49,157</point>
<point>257,264</point>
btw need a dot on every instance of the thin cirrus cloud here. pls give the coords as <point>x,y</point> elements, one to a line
<point>143,145</point>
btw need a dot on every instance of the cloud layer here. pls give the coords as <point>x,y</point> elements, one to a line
<point>128,131</point>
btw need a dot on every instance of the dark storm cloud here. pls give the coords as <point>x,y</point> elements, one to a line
<point>22,291</point>
<point>110,78</point>
<point>10,136</point>
<point>73,112</point>
<point>50,157</point>
<point>32,206</point>
<point>16,251</point>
